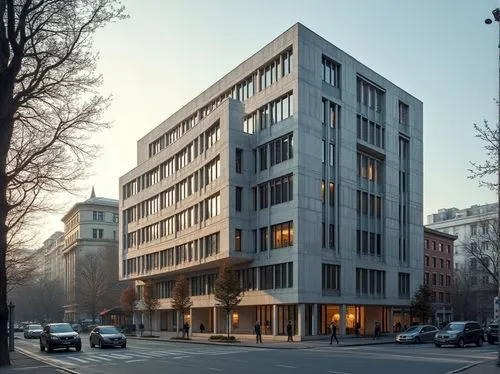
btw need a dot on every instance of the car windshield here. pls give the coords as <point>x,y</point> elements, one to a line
<point>454,327</point>
<point>413,329</point>
<point>109,330</point>
<point>61,328</point>
<point>34,327</point>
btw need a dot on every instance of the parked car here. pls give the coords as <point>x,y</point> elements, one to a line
<point>32,331</point>
<point>77,328</point>
<point>418,334</point>
<point>59,335</point>
<point>460,334</point>
<point>107,336</point>
<point>492,332</point>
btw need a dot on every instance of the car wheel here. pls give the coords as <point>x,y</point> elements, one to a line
<point>437,345</point>
<point>417,340</point>
<point>91,344</point>
<point>100,344</point>
<point>461,343</point>
<point>50,349</point>
<point>78,348</point>
<point>479,342</point>
<point>124,345</point>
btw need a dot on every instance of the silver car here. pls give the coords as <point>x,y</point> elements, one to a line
<point>32,331</point>
<point>109,336</point>
<point>418,334</point>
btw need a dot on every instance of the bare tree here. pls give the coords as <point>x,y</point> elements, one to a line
<point>94,283</point>
<point>151,301</point>
<point>490,137</point>
<point>181,301</point>
<point>128,301</point>
<point>49,108</point>
<point>483,248</point>
<point>227,289</point>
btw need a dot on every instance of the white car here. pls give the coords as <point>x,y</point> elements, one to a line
<point>33,331</point>
<point>418,334</point>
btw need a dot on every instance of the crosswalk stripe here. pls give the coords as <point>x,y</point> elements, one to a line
<point>79,360</point>
<point>141,355</point>
<point>92,359</point>
<point>119,356</point>
<point>103,358</point>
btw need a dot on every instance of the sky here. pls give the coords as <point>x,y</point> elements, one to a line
<point>168,52</point>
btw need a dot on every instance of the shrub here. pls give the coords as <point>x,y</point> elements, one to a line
<point>223,338</point>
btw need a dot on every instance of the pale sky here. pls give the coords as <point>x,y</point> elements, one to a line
<point>169,51</point>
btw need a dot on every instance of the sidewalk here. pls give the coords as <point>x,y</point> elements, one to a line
<point>20,363</point>
<point>488,367</point>
<point>269,342</point>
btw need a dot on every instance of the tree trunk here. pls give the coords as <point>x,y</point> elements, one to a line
<point>228,312</point>
<point>6,127</point>
<point>151,322</point>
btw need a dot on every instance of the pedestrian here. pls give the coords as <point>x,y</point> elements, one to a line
<point>289,331</point>
<point>258,335</point>
<point>202,328</point>
<point>358,329</point>
<point>333,332</point>
<point>376,333</point>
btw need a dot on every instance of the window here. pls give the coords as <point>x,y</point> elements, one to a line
<point>330,275</point>
<point>332,154</point>
<point>282,235</point>
<point>239,193</point>
<point>263,157</point>
<point>323,150</point>
<point>426,260</point>
<point>237,240</point>
<point>434,262</point>
<point>330,71</point>
<point>473,229</point>
<point>448,264</point>
<point>426,278</point>
<point>239,154</point>
<point>441,279</point>
<point>331,236</point>
<point>115,217</point>
<point>434,279</point>
<point>98,216</point>
<point>281,189</point>
<point>281,149</point>
<point>332,193</point>
<point>263,239</point>
<point>323,235</point>
<point>404,285</point>
<point>370,282</point>
<point>403,113</point>
<point>97,233</point>
<point>441,263</point>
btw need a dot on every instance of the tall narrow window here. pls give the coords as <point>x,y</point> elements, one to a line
<point>239,193</point>
<point>239,154</point>
<point>237,240</point>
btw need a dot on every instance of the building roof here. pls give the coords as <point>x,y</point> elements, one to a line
<point>428,230</point>
<point>92,200</point>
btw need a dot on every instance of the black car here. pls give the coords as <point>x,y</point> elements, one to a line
<point>460,334</point>
<point>107,336</point>
<point>59,335</point>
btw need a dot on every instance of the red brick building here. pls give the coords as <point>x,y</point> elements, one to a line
<point>438,271</point>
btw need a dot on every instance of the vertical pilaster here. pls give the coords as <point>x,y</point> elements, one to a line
<point>301,320</point>
<point>314,319</point>
<point>275,320</point>
<point>343,313</point>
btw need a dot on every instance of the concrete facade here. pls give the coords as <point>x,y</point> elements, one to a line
<point>316,194</point>
<point>90,227</point>
<point>53,257</point>
<point>438,267</point>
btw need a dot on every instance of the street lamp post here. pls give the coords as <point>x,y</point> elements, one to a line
<point>11,326</point>
<point>489,21</point>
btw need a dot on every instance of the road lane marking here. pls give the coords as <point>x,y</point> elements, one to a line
<point>79,360</point>
<point>92,359</point>
<point>119,356</point>
<point>138,360</point>
<point>103,358</point>
<point>287,366</point>
<point>178,357</point>
<point>214,369</point>
<point>337,372</point>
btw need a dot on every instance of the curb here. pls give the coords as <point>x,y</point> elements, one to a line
<point>45,361</point>
<point>246,345</point>
<point>464,368</point>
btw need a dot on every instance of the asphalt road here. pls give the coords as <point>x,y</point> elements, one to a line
<point>146,357</point>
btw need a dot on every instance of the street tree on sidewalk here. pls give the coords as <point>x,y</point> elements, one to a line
<point>228,292</point>
<point>421,305</point>
<point>150,301</point>
<point>181,301</point>
<point>94,283</point>
<point>49,109</point>
<point>128,301</point>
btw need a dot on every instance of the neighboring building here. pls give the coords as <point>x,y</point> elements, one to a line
<point>305,168</point>
<point>53,257</point>
<point>463,223</point>
<point>90,227</point>
<point>438,272</point>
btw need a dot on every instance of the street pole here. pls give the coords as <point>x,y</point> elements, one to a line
<point>488,21</point>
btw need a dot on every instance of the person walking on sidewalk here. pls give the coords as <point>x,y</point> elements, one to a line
<point>289,331</point>
<point>376,334</point>
<point>333,332</point>
<point>258,335</point>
